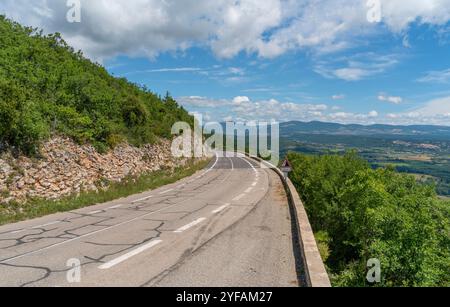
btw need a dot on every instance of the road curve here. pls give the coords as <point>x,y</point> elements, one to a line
<point>228,225</point>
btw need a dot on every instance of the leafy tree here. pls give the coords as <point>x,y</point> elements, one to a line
<point>48,88</point>
<point>366,213</point>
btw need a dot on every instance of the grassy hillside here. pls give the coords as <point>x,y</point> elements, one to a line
<point>359,213</point>
<point>46,87</point>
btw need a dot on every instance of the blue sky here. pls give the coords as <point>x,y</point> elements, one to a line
<point>277,59</point>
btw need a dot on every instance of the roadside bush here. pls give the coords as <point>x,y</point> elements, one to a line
<point>380,214</point>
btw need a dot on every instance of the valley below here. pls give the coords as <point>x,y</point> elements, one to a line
<point>423,151</point>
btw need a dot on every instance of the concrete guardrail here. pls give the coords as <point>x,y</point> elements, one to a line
<point>314,268</point>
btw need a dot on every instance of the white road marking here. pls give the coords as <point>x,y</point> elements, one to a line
<point>232,164</point>
<point>220,209</point>
<point>213,166</point>
<point>166,191</point>
<point>7,260</point>
<point>85,235</point>
<point>253,167</point>
<point>45,225</point>
<point>239,197</point>
<point>127,256</point>
<point>254,184</point>
<point>115,207</point>
<point>248,190</point>
<point>190,225</point>
<point>95,212</point>
<point>142,199</point>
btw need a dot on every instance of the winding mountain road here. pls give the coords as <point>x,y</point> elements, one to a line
<point>228,225</point>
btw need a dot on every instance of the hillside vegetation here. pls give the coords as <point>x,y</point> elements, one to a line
<point>359,213</point>
<point>46,88</point>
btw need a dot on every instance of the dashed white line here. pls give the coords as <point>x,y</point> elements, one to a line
<point>142,199</point>
<point>254,184</point>
<point>190,225</point>
<point>115,207</point>
<point>127,256</point>
<point>95,212</point>
<point>248,190</point>
<point>220,209</point>
<point>85,235</point>
<point>239,197</point>
<point>232,164</point>
<point>45,225</point>
<point>166,191</point>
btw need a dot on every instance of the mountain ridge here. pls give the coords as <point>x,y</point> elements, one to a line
<point>318,127</point>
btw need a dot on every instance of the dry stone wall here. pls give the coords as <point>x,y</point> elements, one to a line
<point>67,168</point>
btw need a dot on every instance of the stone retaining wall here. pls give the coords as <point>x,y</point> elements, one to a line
<point>67,168</point>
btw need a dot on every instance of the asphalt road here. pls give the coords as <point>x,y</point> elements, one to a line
<point>228,225</point>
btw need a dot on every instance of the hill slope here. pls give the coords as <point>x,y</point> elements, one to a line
<point>46,88</point>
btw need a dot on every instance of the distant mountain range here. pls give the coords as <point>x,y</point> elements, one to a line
<point>295,128</point>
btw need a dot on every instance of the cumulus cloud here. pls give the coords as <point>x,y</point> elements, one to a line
<point>242,108</point>
<point>348,117</point>
<point>391,99</point>
<point>373,114</point>
<point>268,28</point>
<point>399,14</point>
<point>239,100</point>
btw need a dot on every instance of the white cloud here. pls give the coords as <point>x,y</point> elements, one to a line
<point>338,97</point>
<point>436,77</point>
<point>356,67</point>
<point>268,28</point>
<point>434,112</point>
<point>346,117</point>
<point>202,102</point>
<point>440,106</point>
<point>351,74</point>
<point>239,100</point>
<point>373,114</point>
<point>236,71</point>
<point>399,14</point>
<point>391,99</point>
<point>179,69</point>
<point>242,108</point>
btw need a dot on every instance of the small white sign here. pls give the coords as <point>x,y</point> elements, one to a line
<point>286,166</point>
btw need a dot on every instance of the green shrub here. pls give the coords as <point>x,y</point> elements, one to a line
<point>380,214</point>
<point>46,87</point>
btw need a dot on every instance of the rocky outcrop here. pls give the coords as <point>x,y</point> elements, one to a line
<point>68,168</point>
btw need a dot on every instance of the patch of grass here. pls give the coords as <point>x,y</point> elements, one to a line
<point>323,241</point>
<point>14,212</point>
